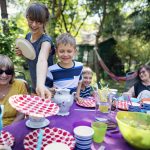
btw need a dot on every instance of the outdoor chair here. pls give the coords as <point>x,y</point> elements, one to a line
<point>130,82</point>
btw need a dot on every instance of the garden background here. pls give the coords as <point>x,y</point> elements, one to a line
<point>117,29</point>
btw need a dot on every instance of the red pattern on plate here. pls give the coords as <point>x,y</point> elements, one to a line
<point>121,104</point>
<point>49,136</point>
<point>124,104</point>
<point>34,105</point>
<point>6,138</point>
<point>87,102</point>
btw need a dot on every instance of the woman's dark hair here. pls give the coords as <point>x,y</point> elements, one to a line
<point>38,12</point>
<point>147,67</point>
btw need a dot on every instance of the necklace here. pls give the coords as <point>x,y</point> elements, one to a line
<point>4,91</point>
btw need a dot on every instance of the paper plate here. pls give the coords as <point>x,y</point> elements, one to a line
<point>34,105</point>
<point>26,47</point>
<point>6,138</point>
<point>123,105</point>
<point>87,102</point>
<point>49,136</point>
<point>57,146</point>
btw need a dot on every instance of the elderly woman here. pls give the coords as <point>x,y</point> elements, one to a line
<point>142,88</point>
<point>8,87</point>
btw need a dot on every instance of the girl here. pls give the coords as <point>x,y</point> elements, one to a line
<point>86,89</point>
<point>37,16</point>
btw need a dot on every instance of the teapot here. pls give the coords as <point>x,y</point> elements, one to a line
<point>64,100</point>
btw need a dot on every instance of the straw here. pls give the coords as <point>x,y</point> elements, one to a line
<point>96,86</point>
<point>1,117</point>
<point>129,99</point>
<point>100,84</point>
<point>40,137</point>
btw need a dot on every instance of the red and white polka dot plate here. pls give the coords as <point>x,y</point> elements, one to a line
<point>87,102</point>
<point>34,105</point>
<point>6,138</point>
<point>123,105</point>
<point>50,135</point>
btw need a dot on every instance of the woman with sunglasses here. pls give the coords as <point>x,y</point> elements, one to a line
<point>8,87</point>
<point>143,85</point>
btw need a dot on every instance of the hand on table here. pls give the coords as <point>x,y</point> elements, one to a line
<point>79,99</point>
<point>43,92</point>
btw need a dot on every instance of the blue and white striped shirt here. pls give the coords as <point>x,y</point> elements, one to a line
<point>86,92</point>
<point>69,78</point>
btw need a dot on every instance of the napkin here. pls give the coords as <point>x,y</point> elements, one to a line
<point>134,108</point>
<point>146,106</point>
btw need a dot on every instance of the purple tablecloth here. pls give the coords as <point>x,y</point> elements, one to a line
<point>19,129</point>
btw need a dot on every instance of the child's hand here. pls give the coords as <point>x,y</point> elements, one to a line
<point>43,92</point>
<point>18,52</point>
<point>79,99</point>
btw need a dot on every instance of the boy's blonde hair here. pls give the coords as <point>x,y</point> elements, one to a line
<point>87,70</point>
<point>66,38</point>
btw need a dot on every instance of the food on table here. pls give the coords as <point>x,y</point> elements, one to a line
<point>135,128</point>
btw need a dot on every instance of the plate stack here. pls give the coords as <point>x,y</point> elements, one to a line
<point>83,137</point>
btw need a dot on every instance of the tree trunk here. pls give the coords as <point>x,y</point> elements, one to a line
<point>4,15</point>
<point>98,35</point>
<point>96,65</point>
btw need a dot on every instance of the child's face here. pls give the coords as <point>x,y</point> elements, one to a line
<point>65,53</point>
<point>35,27</point>
<point>87,79</point>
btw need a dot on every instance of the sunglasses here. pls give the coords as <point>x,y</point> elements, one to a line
<point>8,72</point>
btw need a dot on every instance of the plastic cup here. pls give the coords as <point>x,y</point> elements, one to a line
<point>99,131</point>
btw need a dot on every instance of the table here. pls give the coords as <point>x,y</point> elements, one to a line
<point>19,129</point>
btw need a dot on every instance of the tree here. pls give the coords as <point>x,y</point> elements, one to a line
<point>66,16</point>
<point>140,17</point>
<point>109,24</point>
<point>4,15</point>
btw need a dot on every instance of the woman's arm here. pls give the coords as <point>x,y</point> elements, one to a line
<point>130,92</point>
<point>41,69</point>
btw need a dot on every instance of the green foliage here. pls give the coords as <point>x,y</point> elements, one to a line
<point>140,21</point>
<point>7,40</point>
<point>133,49</point>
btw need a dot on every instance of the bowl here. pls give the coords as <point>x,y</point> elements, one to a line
<point>135,128</point>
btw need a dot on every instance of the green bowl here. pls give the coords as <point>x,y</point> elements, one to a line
<point>135,128</point>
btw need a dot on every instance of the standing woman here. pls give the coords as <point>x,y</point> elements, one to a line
<point>37,16</point>
<point>9,87</point>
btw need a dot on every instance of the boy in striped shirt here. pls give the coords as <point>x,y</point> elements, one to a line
<point>67,73</point>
